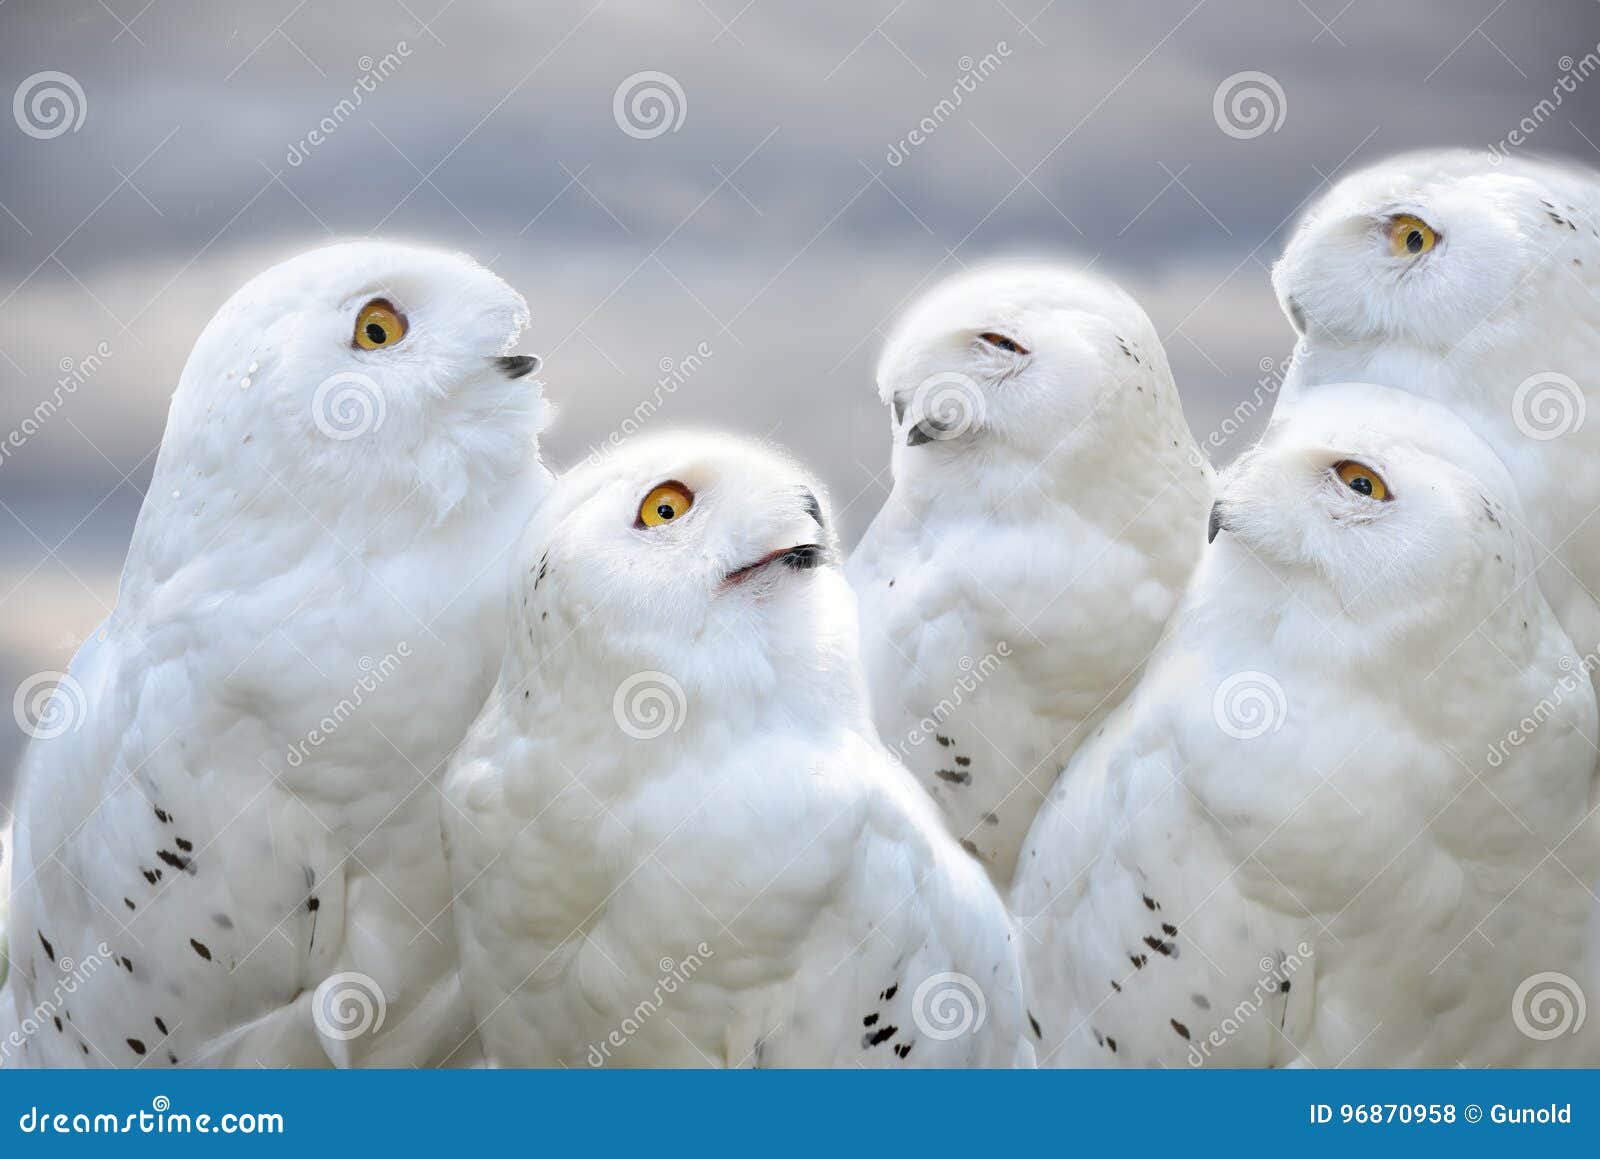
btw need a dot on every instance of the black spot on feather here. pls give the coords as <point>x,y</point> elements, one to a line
<point>878,1037</point>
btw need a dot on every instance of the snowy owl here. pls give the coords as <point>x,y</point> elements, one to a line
<point>234,817</point>
<point>1048,505</point>
<point>1344,818</point>
<point>675,837</point>
<point>1474,284</point>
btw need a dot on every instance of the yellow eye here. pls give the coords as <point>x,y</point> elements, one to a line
<point>378,325</point>
<point>667,502</point>
<point>1361,479</point>
<point>1410,236</point>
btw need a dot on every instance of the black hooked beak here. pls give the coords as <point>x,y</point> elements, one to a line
<point>1216,523</point>
<point>923,431</point>
<point>517,365</point>
<point>813,508</point>
<point>1297,316</point>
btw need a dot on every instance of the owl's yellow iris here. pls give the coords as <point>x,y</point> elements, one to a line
<point>664,504</point>
<point>1361,479</point>
<point>378,325</point>
<point>1410,236</point>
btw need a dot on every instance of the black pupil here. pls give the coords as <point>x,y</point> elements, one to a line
<point>376,333</point>
<point>1361,485</point>
<point>665,511</point>
<point>1414,241</point>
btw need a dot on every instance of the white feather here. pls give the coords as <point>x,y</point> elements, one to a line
<point>1497,321</point>
<point>675,838</point>
<point>1320,830</point>
<point>1038,535</point>
<point>305,626</point>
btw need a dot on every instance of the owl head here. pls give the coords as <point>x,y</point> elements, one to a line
<point>365,378</point>
<point>1368,518</point>
<point>1031,364</point>
<point>1440,252</point>
<point>701,564</point>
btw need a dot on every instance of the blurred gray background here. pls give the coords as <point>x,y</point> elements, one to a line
<point>763,217</point>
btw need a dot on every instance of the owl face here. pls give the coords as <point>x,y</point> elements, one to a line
<point>366,369</point>
<point>708,558</point>
<point>1433,252</point>
<point>1373,508</point>
<point>1006,359</point>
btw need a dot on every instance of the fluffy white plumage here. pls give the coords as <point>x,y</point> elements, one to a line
<point>1047,508</point>
<point>1309,835</point>
<point>307,621</point>
<point>1494,316</point>
<point>676,838</point>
